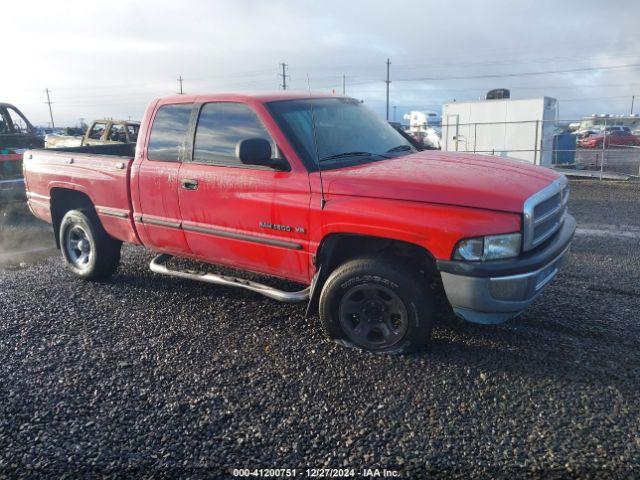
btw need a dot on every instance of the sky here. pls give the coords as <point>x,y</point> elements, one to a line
<point>110,59</point>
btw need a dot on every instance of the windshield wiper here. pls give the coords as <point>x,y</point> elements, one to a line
<point>400,148</point>
<point>352,154</point>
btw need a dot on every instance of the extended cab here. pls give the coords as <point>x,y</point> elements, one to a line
<point>16,135</point>
<point>316,190</point>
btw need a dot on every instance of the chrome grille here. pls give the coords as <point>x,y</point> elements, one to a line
<point>544,213</point>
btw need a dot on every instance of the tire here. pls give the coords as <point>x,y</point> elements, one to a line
<point>88,250</point>
<point>377,304</point>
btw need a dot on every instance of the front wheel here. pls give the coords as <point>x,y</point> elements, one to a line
<point>88,250</point>
<point>377,304</point>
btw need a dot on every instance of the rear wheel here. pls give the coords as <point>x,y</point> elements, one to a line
<point>88,250</point>
<point>377,304</point>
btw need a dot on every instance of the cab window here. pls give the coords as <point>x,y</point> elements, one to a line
<point>117,133</point>
<point>132,128</point>
<point>220,127</point>
<point>169,132</point>
<point>97,130</point>
<point>20,124</point>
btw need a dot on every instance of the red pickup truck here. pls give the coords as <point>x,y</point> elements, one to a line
<point>320,191</point>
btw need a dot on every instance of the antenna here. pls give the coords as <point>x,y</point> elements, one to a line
<point>315,144</point>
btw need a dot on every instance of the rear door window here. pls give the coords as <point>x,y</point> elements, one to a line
<point>169,133</point>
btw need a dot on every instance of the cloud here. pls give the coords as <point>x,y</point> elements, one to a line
<point>111,59</point>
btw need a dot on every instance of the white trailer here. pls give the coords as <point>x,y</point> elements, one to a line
<point>517,128</point>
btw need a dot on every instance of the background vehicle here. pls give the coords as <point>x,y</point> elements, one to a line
<point>615,137</point>
<point>16,135</point>
<point>101,132</point>
<point>586,133</point>
<point>315,190</point>
<point>407,136</point>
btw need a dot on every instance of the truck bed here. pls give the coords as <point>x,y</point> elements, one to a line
<point>100,173</point>
<point>115,149</point>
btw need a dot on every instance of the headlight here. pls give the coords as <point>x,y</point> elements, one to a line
<point>492,247</point>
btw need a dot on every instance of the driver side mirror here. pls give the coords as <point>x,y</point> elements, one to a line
<point>257,151</point>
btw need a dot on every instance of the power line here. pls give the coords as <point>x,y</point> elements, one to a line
<point>48,102</point>
<point>284,76</point>
<point>263,73</point>
<point>611,97</point>
<point>519,74</point>
<point>501,75</point>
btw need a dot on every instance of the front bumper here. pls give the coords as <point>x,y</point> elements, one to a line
<point>12,191</point>
<point>493,292</point>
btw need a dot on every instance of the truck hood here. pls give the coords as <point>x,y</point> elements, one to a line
<point>462,179</point>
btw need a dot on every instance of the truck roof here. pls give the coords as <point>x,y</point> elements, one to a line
<point>245,96</point>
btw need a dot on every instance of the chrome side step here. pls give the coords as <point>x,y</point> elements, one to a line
<point>158,265</point>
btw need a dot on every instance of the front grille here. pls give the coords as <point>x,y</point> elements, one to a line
<point>544,213</point>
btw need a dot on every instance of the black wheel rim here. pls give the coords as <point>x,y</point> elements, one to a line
<point>373,316</point>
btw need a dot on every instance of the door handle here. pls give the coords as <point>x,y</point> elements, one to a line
<point>189,184</point>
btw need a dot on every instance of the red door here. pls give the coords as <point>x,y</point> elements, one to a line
<point>159,212</point>
<point>254,218</point>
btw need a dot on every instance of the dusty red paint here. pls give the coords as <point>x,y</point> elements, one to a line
<point>431,199</point>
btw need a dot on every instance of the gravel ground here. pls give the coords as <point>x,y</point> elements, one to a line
<point>613,203</point>
<point>618,160</point>
<point>150,376</point>
<point>23,237</point>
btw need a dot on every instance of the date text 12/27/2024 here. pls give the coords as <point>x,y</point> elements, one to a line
<point>315,473</point>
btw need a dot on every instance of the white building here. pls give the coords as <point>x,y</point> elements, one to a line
<point>516,128</point>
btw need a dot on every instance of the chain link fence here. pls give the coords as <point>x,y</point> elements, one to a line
<point>604,150</point>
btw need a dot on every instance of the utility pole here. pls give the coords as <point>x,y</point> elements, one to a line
<point>633,98</point>
<point>283,75</point>
<point>48,102</point>
<point>180,80</point>
<point>387,81</point>
<point>394,113</point>
<point>344,84</point>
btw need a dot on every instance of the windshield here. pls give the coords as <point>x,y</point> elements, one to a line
<point>347,133</point>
